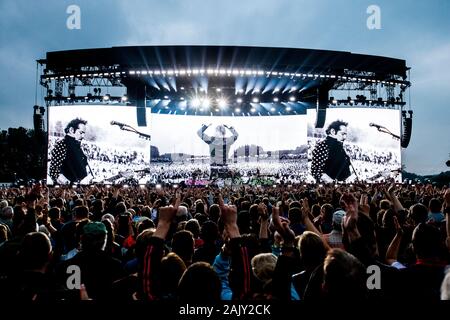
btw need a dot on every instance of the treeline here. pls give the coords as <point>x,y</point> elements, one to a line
<point>22,155</point>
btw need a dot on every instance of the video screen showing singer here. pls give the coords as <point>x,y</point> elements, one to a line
<point>330,162</point>
<point>68,163</point>
<point>219,147</point>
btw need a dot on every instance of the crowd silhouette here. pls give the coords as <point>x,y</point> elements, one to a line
<point>209,244</point>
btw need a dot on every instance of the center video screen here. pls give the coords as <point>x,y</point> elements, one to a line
<point>199,150</point>
<point>97,144</point>
<point>355,144</point>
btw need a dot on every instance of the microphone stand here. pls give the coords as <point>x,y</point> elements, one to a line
<point>385,130</point>
<point>354,171</point>
<point>131,129</point>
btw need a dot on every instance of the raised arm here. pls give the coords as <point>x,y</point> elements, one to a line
<point>446,211</point>
<point>234,132</point>
<point>397,205</point>
<point>394,246</point>
<point>202,135</point>
<point>151,273</point>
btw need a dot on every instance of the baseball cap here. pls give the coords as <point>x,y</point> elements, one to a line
<point>338,216</point>
<point>94,228</point>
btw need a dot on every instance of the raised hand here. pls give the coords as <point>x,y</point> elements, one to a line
<point>282,226</point>
<point>228,213</point>
<point>364,204</point>
<point>305,209</point>
<point>351,208</point>
<point>167,214</point>
<point>447,197</point>
<point>262,212</point>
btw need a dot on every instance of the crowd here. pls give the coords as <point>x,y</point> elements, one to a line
<point>242,243</point>
<point>247,172</point>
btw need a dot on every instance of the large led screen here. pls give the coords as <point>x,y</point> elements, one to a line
<point>354,144</point>
<point>254,150</point>
<point>97,144</point>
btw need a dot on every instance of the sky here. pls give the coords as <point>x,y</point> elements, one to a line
<point>417,32</point>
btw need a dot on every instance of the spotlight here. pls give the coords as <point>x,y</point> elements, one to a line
<point>239,100</point>
<point>106,97</point>
<point>222,103</point>
<point>237,110</point>
<point>196,103</point>
<point>276,99</point>
<point>291,98</point>
<point>255,100</point>
<point>206,102</point>
<point>124,98</point>
<point>272,109</point>
<point>288,108</point>
<point>218,89</point>
<point>252,110</point>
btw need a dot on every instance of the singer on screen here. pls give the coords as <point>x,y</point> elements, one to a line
<point>68,163</point>
<point>330,162</point>
<point>219,146</point>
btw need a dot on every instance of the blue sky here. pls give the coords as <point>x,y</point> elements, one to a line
<point>418,32</point>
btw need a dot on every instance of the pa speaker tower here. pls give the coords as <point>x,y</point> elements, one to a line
<point>321,107</point>
<point>407,128</point>
<point>136,91</point>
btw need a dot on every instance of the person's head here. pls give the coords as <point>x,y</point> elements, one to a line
<point>426,240</point>
<point>338,130</point>
<point>385,204</point>
<point>7,213</point>
<point>81,212</point>
<point>209,231</point>
<point>263,266</point>
<point>295,215</point>
<point>36,250</point>
<point>200,284</point>
<point>94,237</point>
<point>445,286</point>
<point>214,212</point>
<point>144,224</point>
<point>338,216</point>
<point>220,130</point>
<point>183,245</point>
<point>312,249</point>
<point>54,213</point>
<point>327,212</point>
<point>344,276</point>
<point>172,268</point>
<point>76,129</point>
<point>434,205</point>
<point>418,213</point>
<point>193,226</point>
<point>142,242</point>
